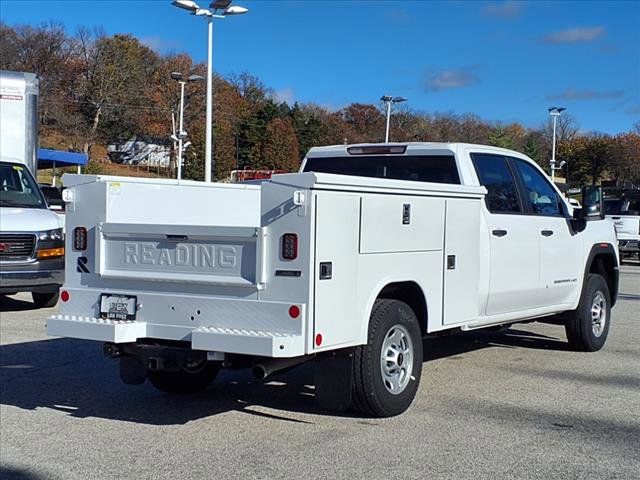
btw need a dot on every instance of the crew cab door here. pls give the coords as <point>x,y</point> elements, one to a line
<point>513,240</point>
<point>559,247</point>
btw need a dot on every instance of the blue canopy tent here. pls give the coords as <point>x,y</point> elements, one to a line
<point>57,158</point>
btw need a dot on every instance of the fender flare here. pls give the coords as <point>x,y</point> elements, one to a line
<point>604,248</point>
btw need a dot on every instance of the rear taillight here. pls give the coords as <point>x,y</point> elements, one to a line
<point>80,238</point>
<point>289,246</point>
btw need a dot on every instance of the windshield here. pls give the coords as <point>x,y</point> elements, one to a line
<point>427,168</point>
<point>17,187</point>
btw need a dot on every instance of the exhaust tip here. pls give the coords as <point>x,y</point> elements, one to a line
<point>259,372</point>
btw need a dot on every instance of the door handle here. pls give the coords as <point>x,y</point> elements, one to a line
<point>499,233</point>
<point>546,233</point>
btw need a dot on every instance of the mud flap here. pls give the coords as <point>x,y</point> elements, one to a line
<point>333,372</point>
<point>133,371</point>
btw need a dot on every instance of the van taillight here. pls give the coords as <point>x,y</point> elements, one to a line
<point>289,246</point>
<point>80,238</point>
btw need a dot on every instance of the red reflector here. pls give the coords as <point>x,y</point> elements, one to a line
<point>604,245</point>
<point>289,246</point>
<point>380,149</point>
<point>294,311</point>
<point>80,238</point>
<point>318,340</point>
<point>64,296</point>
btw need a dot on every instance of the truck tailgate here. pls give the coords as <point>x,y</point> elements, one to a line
<point>230,256</point>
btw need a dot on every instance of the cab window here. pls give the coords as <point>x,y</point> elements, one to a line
<point>541,197</point>
<point>494,174</point>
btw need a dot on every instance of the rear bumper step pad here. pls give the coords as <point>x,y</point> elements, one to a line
<point>217,339</point>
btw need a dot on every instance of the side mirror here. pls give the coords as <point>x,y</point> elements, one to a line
<point>592,208</point>
<point>592,204</point>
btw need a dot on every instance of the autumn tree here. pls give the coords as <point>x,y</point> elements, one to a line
<point>279,148</point>
<point>115,72</point>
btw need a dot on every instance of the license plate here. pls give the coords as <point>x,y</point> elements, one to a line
<point>118,307</point>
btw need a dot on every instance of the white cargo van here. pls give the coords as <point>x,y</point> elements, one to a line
<point>350,263</point>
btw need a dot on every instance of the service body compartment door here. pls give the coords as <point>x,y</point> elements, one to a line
<point>337,226</point>
<point>461,261</point>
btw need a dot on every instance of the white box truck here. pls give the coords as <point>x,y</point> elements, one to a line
<point>31,236</point>
<point>350,262</point>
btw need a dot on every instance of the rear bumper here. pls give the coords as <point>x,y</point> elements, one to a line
<point>247,327</point>
<point>39,276</point>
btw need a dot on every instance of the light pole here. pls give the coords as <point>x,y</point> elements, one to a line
<point>555,112</point>
<point>389,100</point>
<point>218,9</point>
<point>181,133</point>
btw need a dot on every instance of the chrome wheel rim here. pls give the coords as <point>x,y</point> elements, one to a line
<point>396,359</point>
<point>598,313</point>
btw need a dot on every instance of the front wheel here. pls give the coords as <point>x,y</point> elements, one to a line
<point>190,379</point>
<point>386,371</point>
<point>588,325</point>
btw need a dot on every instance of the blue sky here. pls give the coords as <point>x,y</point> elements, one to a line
<point>504,61</point>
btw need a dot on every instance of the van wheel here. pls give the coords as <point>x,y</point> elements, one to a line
<point>45,300</point>
<point>190,379</point>
<point>587,326</point>
<point>386,371</point>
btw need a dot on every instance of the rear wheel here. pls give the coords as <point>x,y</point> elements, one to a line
<point>190,379</point>
<point>588,325</point>
<point>387,369</point>
<point>45,300</point>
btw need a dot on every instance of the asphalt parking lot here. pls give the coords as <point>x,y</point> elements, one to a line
<point>490,406</point>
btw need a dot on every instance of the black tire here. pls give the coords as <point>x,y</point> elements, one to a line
<point>184,381</point>
<point>45,300</point>
<point>580,324</point>
<point>370,395</point>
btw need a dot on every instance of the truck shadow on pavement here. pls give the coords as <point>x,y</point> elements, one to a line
<point>73,377</point>
<point>8,304</point>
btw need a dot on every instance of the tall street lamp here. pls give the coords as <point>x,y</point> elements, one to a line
<point>181,133</point>
<point>218,9</point>
<point>389,100</point>
<point>555,112</point>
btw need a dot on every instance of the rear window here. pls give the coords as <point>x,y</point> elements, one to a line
<point>418,168</point>
<point>613,206</point>
<point>622,206</point>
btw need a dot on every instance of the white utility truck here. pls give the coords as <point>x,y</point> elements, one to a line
<point>624,210</point>
<point>350,262</point>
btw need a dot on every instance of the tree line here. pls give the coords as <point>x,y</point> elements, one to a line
<point>97,88</point>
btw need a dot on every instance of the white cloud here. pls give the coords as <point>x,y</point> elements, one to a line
<point>508,9</point>
<point>285,95</point>
<point>159,45</point>
<point>573,94</point>
<point>447,79</point>
<point>575,35</point>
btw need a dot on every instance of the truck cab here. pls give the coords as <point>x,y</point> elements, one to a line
<point>624,210</point>
<point>31,238</point>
